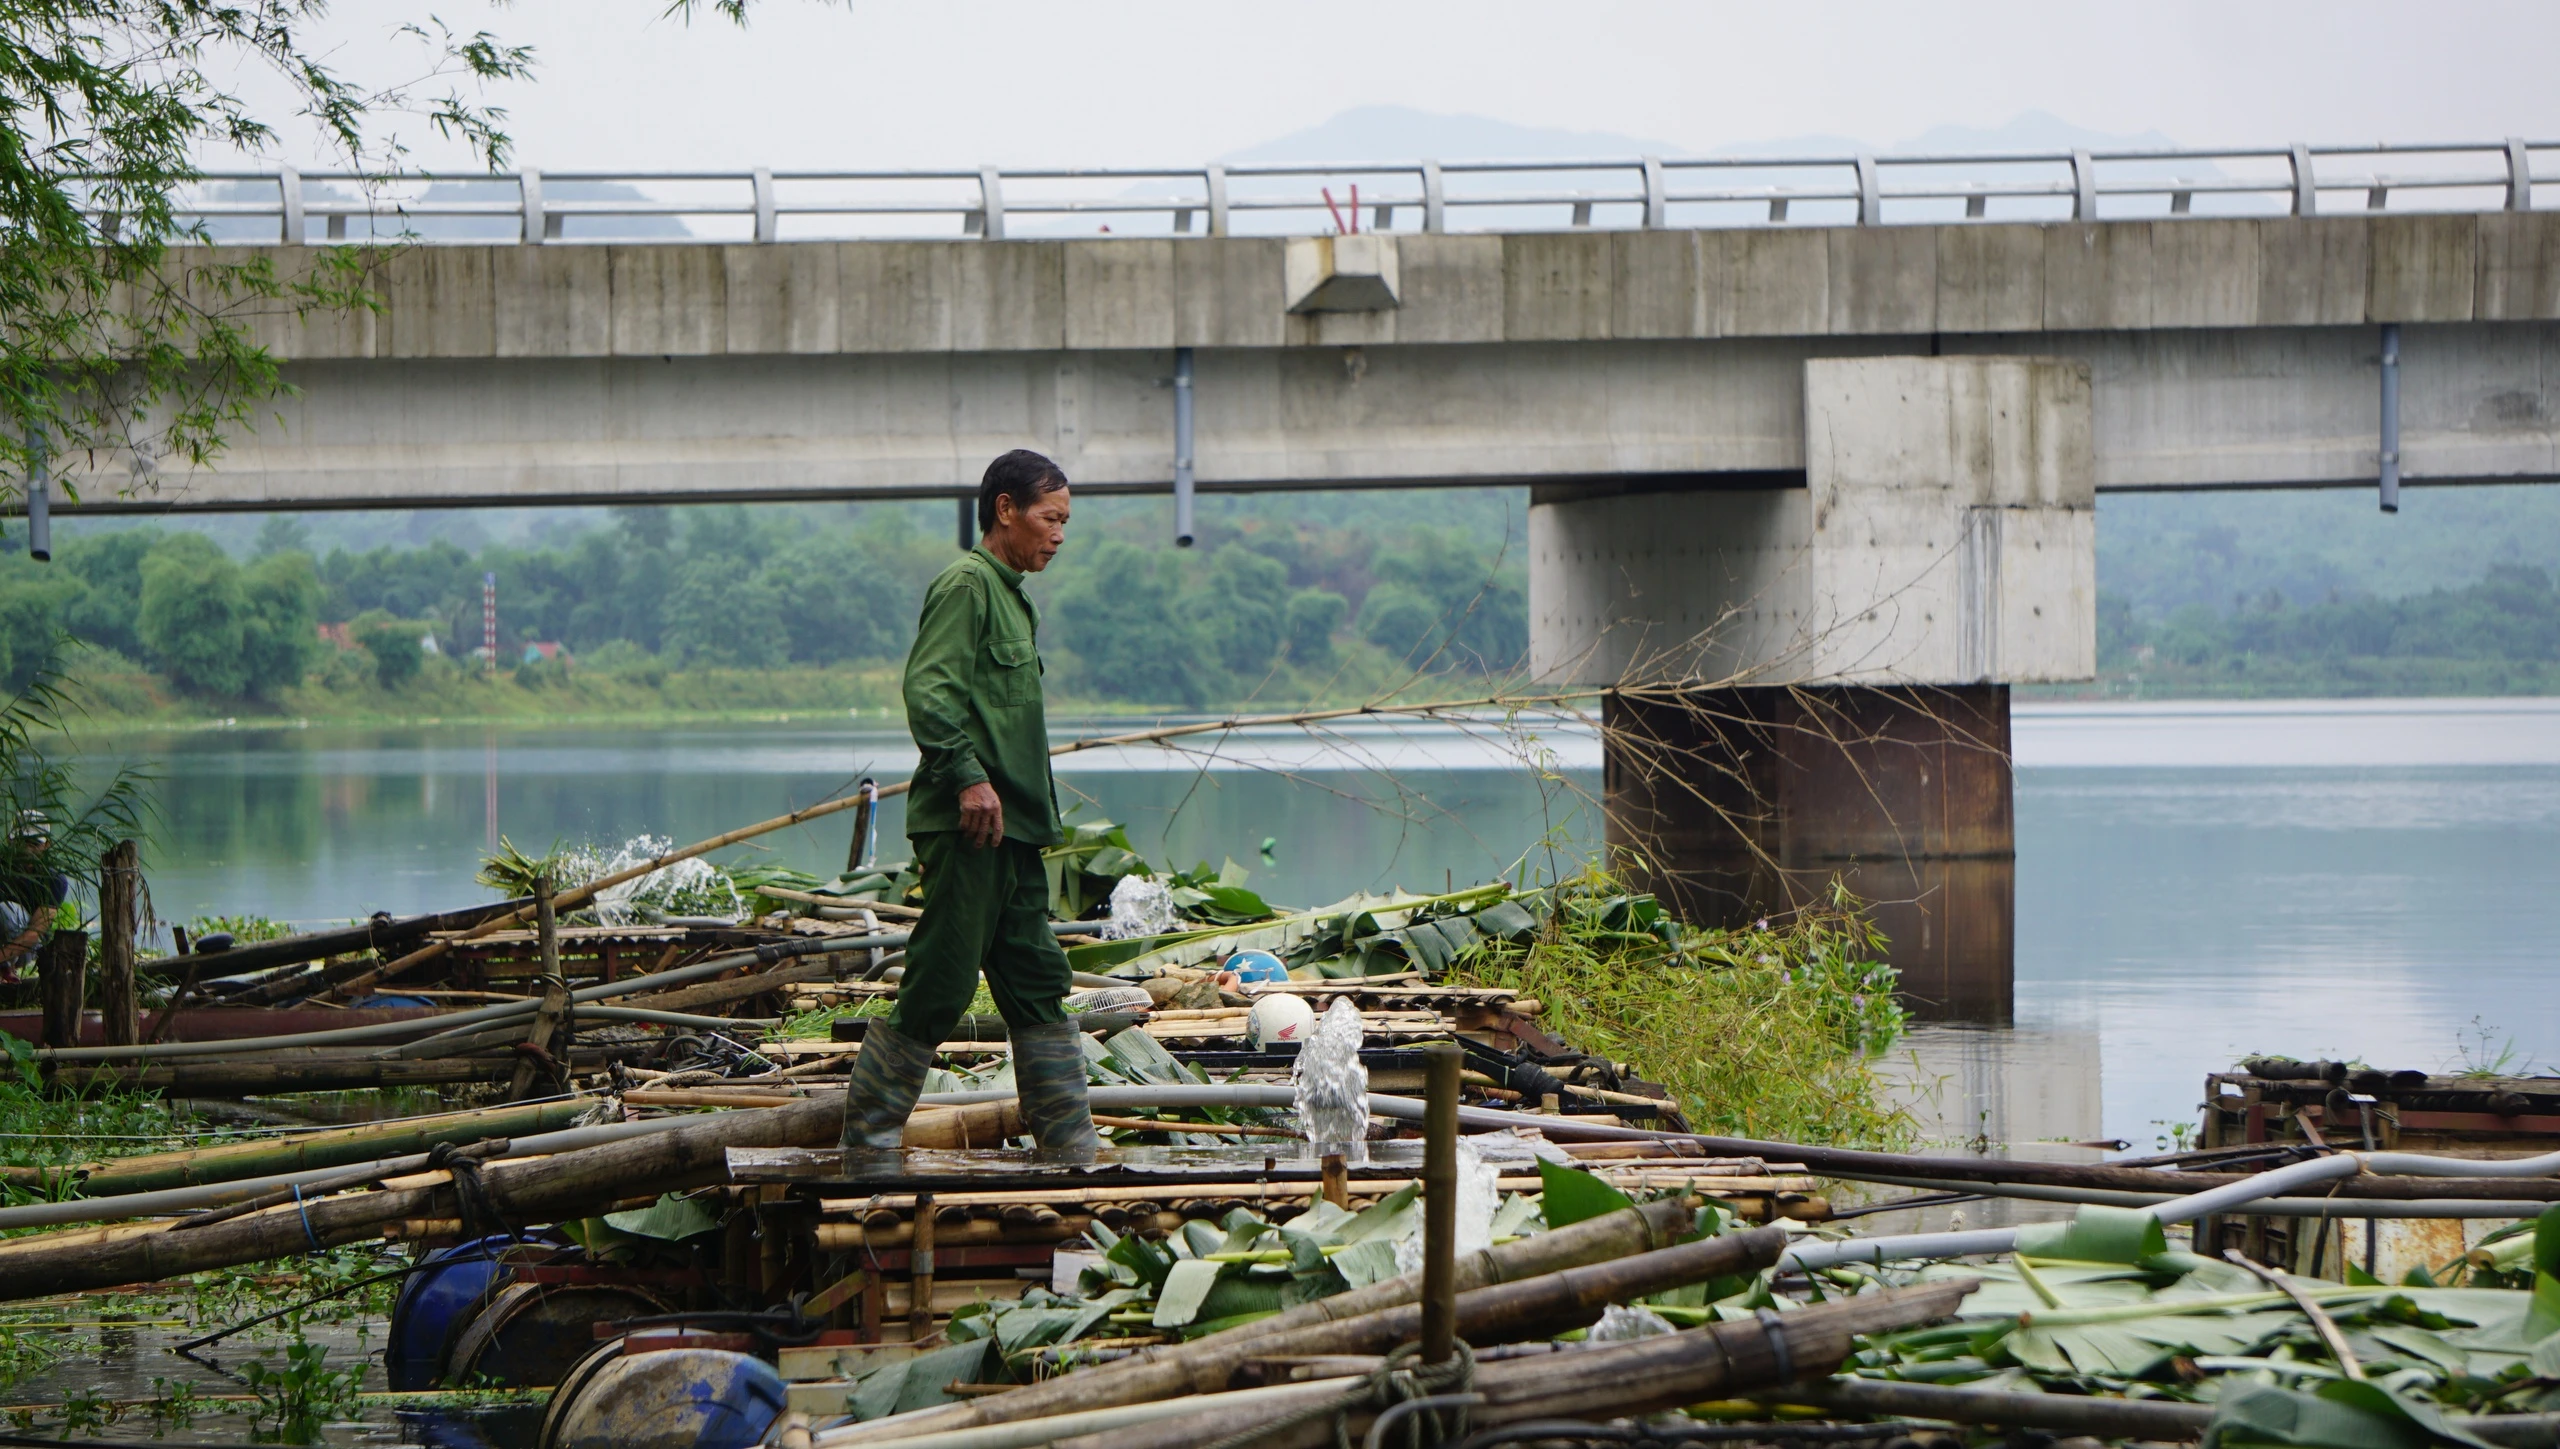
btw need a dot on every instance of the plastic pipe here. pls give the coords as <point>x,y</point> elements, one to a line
<point>2390,449</point>
<point>2274,1207</point>
<point>2250,1191</point>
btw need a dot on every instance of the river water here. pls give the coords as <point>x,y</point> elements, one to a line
<point>2195,882</point>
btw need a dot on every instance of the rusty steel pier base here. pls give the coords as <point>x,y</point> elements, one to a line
<point>1745,802</point>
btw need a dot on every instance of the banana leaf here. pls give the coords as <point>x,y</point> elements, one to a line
<point>2337,1415</point>
<point>917,1383</point>
<point>1570,1195</point>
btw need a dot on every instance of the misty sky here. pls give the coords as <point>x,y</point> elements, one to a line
<point>810,84</point>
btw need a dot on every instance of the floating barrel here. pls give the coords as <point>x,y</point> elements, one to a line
<point>529,1335</point>
<point>439,1299</point>
<point>677,1398</point>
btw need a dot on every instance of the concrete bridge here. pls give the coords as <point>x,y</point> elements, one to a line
<point>1844,474</point>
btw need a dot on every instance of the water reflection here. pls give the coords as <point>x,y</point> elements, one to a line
<point>2191,905</point>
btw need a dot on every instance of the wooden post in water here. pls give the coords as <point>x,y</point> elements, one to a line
<point>554,1010</point>
<point>920,1270</point>
<point>119,903</point>
<point>62,977</point>
<point>1441,1063</point>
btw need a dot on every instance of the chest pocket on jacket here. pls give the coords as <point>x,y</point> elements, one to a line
<point>1014,673</point>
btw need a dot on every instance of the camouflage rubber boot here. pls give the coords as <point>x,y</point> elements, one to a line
<point>888,1076</point>
<point>1048,1079</point>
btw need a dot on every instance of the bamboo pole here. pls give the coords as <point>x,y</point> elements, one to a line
<point>1177,1369</point>
<point>573,899</point>
<point>1616,1381</point>
<point>690,1153</point>
<point>119,902</point>
<point>263,1157</point>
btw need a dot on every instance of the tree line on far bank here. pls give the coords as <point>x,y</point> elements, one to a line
<point>729,587</point>
<point>2510,617</point>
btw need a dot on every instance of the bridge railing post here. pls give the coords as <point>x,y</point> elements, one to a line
<point>1656,196</point>
<point>2084,187</point>
<point>537,223</point>
<point>768,222</point>
<point>1216,176</point>
<point>1435,200</point>
<point>1870,197</point>
<point>2306,189</point>
<point>2519,175</point>
<point>289,192</point>
<point>990,204</point>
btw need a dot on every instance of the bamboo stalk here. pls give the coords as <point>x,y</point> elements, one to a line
<point>263,1157</point>
<point>1617,1381</point>
<point>1216,1129</point>
<point>698,1097</point>
<point>1177,1369</point>
<point>573,899</point>
<point>571,1184</point>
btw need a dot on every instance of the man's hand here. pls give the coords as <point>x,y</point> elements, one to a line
<point>981,816</point>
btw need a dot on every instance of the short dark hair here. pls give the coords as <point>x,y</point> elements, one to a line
<point>1021,475</point>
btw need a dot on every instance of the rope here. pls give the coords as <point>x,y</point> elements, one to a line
<point>1400,1378</point>
<point>304,1208</point>
<point>479,1209</point>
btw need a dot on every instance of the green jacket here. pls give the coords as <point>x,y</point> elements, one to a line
<point>973,702</point>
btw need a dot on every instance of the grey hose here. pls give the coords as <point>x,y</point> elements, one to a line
<point>2273,1207</point>
<point>2273,1183</point>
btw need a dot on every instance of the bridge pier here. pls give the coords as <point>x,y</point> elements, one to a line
<point>1749,802</point>
<point>1814,683</point>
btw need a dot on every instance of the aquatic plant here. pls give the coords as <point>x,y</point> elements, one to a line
<point>1769,1031</point>
<point>683,888</point>
<point>49,826</point>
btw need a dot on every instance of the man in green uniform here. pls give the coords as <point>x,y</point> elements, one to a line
<point>981,807</point>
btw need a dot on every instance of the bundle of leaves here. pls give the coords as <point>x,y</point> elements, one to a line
<point>1769,1031</point>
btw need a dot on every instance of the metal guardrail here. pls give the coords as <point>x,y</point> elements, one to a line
<point>535,207</point>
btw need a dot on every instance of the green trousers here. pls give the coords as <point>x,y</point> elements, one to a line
<point>984,910</point>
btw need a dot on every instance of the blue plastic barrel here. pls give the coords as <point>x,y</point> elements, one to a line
<point>440,1298</point>
<point>677,1398</point>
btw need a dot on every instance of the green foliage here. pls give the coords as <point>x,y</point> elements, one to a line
<point>1244,608</point>
<point>79,825</point>
<point>219,629</point>
<point>1570,1195</point>
<point>1767,1031</point>
<point>1314,617</point>
<point>113,346</point>
<point>393,645</point>
<point>243,930</point>
<point>303,1393</point>
<point>1123,615</point>
<point>2500,633</point>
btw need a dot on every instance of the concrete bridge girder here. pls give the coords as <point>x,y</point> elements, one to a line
<point>2261,407</point>
<point>2223,352</point>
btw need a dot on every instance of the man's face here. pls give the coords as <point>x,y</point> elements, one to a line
<point>1040,532</point>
